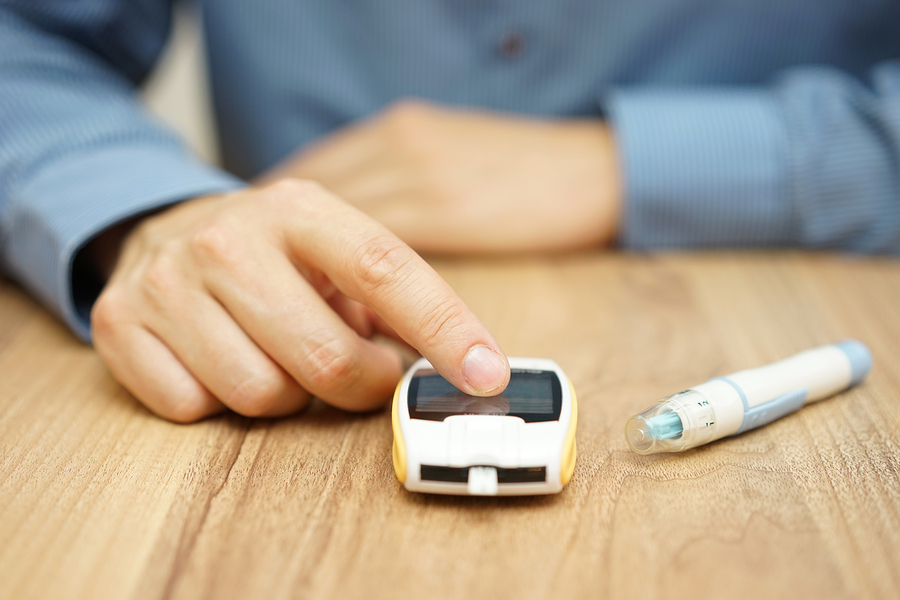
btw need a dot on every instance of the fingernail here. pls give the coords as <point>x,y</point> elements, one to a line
<point>484,369</point>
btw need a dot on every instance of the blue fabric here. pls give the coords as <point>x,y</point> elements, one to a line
<point>739,122</point>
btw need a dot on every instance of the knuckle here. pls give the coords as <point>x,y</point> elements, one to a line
<point>293,191</point>
<point>188,405</point>
<point>330,368</point>
<point>381,262</point>
<point>178,399</point>
<point>292,197</point>
<point>408,122</point>
<point>111,309</point>
<point>440,321</point>
<point>214,243</point>
<point>162,280</point>
<point>256,396</point>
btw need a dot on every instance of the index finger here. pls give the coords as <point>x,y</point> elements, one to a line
<point>370,264</point>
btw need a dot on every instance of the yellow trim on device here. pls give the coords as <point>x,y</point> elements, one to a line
<point>399,449</point>
<point>568,455</point>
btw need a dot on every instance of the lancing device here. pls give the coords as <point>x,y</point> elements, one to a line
<point>747,399</point>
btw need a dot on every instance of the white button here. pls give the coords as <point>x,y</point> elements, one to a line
<point>482,481</point>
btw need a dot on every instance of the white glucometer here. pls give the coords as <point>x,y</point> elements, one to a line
<point>520,442</point>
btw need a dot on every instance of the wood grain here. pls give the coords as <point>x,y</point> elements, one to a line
<point>100,499</point>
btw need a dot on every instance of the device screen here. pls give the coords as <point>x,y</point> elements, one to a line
<point>531,395</point>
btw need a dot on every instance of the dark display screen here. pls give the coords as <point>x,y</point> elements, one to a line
<point>531,395</point>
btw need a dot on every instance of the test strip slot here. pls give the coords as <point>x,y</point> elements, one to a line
<point>461,474</point>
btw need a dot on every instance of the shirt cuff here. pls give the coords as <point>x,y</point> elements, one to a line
<point>56,211</point>
<point>701,168</point>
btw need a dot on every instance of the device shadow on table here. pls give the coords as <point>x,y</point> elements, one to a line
<point>476,504</point>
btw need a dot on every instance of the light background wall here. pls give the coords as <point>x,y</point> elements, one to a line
<point>177,91</point>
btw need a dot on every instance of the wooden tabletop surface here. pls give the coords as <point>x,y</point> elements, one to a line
<point>101,499</point>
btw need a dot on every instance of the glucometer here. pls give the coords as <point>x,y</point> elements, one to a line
<point>520,442</point>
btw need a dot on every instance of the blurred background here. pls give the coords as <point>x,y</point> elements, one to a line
<point>177,91</point>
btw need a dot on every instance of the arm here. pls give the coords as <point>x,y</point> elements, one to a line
<point>253,300</point>
<point>77,153</point>
<point>463,181</point>
<point>812,161</point>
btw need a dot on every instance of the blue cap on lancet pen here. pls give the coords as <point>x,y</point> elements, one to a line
<point>860,359</point>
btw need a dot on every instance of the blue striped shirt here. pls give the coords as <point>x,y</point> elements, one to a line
<point>738,122</point>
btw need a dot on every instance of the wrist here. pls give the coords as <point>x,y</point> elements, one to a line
<point>611,182</point>
<point>93,264</point>
<point>596,141</point>
<point>102,253</point>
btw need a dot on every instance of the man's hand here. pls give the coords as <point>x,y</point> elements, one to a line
<point>453,181</point>
<point>257,300</point>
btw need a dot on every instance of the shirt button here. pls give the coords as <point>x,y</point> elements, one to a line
<point>512,45</point>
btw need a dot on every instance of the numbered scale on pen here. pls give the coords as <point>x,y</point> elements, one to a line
<point>677,422</point>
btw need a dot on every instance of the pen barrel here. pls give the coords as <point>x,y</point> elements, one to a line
<point>822,372</point>
<point>770,392</point>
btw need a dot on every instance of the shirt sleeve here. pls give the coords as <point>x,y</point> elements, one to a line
<point>812,161</point>
<point>77,152</point>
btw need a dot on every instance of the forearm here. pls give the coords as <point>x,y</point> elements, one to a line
<point>77,154</point>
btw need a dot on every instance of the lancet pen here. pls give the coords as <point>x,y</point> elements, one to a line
<point>747,399</point>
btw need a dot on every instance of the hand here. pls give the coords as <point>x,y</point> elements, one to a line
<point>257,300</point>
<point>454,181</point>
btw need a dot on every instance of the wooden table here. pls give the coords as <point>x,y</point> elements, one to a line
<point>100,499</point>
